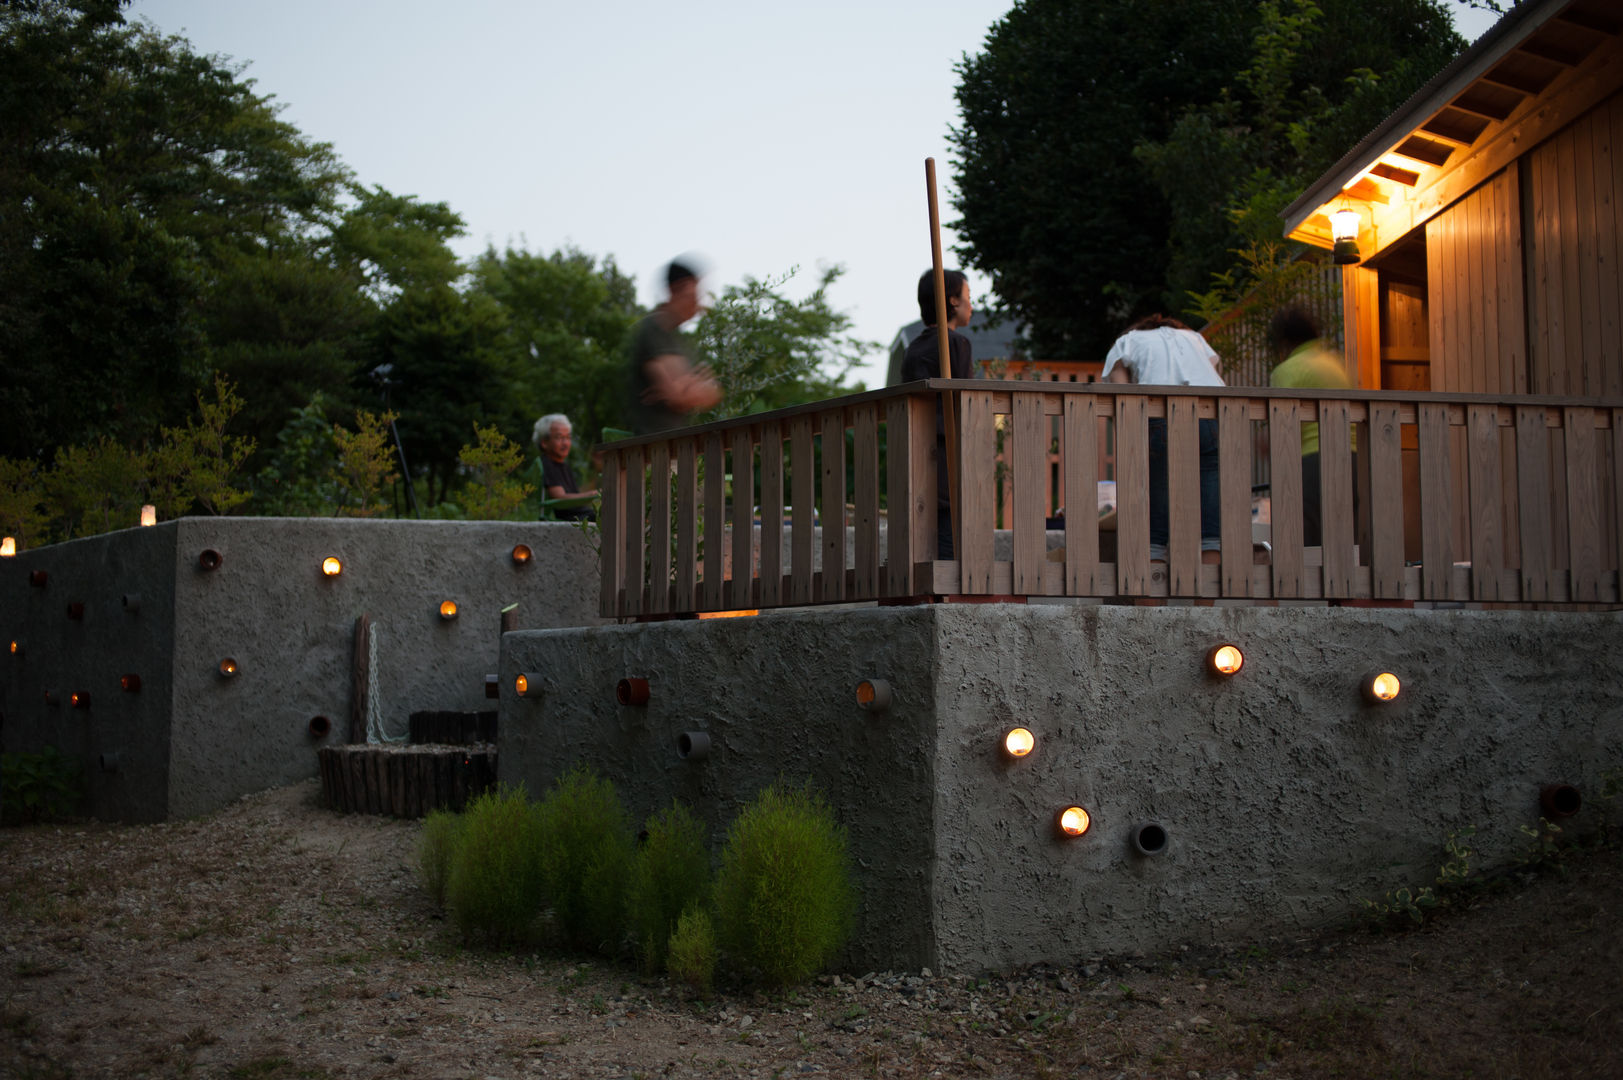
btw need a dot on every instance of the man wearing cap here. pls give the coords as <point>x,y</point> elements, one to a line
<point>666,387</point>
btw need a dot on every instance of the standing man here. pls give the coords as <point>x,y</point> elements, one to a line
<point>923,361</point>
<point>552,436</point>
<point>666,386</point>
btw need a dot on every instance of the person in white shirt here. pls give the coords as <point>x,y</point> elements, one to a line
<point>1159,351</point>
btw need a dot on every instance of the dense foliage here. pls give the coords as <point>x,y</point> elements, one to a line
<point>1113,154</point>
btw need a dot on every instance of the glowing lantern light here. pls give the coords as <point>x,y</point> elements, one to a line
<point>1074,821</point>
<point>873,694</point>
<point>527,684</point>
<point>79,699</point>
<point>522,554</point>
<point>1225,660</point>
<point>149,515</point>
<point>1381,687</point>
<point>1019,742</point>
<point>447,610</point>
<point>1344,232</point>
<point>16,648</point>
<point>228,668</point>
<point>331,567</point>
<point>8,547</point>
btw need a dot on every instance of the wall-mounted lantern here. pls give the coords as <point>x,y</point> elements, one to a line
<point>1072,822</point>
<point>447,610</point>
<point>8,547</point>
<point>1344,231</point>
<point>1019,742</point>
<point>1224,660</point>
<point>1380,687</point>
<point>331,566</point>
<point>522,554</point>
<point>527,685</point>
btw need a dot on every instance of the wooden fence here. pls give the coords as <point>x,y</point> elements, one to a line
<point>1500,500</point>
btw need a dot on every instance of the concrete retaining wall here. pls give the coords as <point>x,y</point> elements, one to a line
<point>1285,797</point>
<point>189,740</point>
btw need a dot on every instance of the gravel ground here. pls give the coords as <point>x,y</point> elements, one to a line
<point>278,940</point>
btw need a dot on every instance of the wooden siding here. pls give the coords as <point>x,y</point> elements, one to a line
<point>1474,286</point>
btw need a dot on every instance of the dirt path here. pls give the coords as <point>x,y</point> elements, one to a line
<point>276,940</point>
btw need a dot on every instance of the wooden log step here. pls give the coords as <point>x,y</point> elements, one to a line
<point>452,728</point>
<point>404,780</point>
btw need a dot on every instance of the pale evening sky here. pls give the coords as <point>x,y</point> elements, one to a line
<point>757,134</point>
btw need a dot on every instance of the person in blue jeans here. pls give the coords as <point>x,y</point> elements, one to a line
<point>1160,351</point>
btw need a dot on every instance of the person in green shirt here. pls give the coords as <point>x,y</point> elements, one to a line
<point>1307,363</point>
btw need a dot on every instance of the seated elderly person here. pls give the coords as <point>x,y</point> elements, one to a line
<point>558,482</point>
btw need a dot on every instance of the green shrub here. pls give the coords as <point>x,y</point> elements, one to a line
<point>39,787</point>
<point>691,953</point>
<point>671,872</point>
<point>495,885</point>
<point>784,896</point>
<point>586,850</point>
<point>436,846</point>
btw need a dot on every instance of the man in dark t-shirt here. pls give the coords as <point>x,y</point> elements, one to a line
<point>923,361</point>
<point>553,436</point>
<point>665,385</point>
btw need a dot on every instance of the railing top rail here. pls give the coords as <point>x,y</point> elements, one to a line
<point>922,386</point>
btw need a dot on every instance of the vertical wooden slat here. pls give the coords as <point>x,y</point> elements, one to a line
<point>1183,497</point>
<point>1570,289</point>
<point>610,520</point>
<point>659,527</point>
<point>803,482</point>
<point>1608,181</point>
<point>635,511</point>
<point>1028,439</point>
<point>977,498</point>
<point>740,592</point>
<point>687,526</point>
<point>1132,495</point>
<point>1385,501</point>
<point>833,516</point>
<point>1617,488</point>
<point>1587,330</point>
<point>1234,479</point>
<point>1583,516</point>
<point>899,497</point>
<point>1285,488</point>
<point>1081,479</point>
<point>1436,502</point>
<point>1472,227</point>
<point>712,596</point>
<point>1336,496</point>
<point>772,513</point>
<point>1487,517</point>
<point>865,428</point>
<point>1533,496</point>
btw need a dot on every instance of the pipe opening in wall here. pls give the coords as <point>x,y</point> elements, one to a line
<point>1149,838</point>
<point>209,559</point>
<point>131,602</point>
<point>631,691</point>
<point>1559,801</point>
<point>76,610</point>
<point>522,554</point>
<point>38,578</point>
<point>1072,821</point>
<point>1225,660</point>
<point>319,726</point>
<point>228,668</point>
<point>527,684</point>
<point>109,761</point>
<point>130,684</point>
<point>873,694</point>
<point>493,686</point>
<point>693,745</point>
<point>79,699</point>
<point>51,698</point>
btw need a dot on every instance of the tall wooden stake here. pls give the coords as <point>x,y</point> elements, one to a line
<point>949,419</point>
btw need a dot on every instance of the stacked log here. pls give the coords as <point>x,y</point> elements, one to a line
<point>404,781</point>
<point>452,728</point>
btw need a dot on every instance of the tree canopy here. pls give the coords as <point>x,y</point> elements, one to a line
<point>1112,155</point>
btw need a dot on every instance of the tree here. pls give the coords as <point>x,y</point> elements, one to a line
<point>1112,153</point>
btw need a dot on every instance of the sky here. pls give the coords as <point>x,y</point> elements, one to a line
<point>761,136</point>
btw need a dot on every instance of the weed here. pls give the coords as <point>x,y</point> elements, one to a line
<point>1546,852</point>
<point>495,885</point>
<point>586,851</point>
<point>691,953</point>
<point>39,787</point>
<point>1410,905</point>
<point>671,873</point>
<point>436,844</point>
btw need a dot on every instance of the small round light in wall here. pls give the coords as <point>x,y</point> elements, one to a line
<point>1381,687</point>
<point>130,684</point>
<point>1019,742</point>
<point>447,610</point>
<point>1073,821</point>
<point>1225,659</point>
<point>16,647</point>
<point>522,554</point>
<point>228,668</point>
<point>8,547</point>
<point>79,699</point>
<point>527,685</point>
<point>149,515</point>
<point>873,694</point>
<point>331,566</point>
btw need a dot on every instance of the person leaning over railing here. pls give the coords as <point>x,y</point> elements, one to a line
<point>1159,351</point>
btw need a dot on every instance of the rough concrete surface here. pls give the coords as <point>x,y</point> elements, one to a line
<point>1284,796</point>
<point>190,741</point>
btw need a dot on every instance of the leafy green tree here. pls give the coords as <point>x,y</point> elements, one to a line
<point>1112,153</point>
<point>365,465</point>
<point>491,493</point>
<point>22,503</point>
<point>194,465</point>
<point>769,351</point>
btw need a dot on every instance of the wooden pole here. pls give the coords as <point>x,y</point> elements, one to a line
<point>949,420</point>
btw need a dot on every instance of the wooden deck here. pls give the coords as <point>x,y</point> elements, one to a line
<point>1461,498</point>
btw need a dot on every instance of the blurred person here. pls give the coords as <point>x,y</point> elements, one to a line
<point>1307,363</point>
<point>666,386</point>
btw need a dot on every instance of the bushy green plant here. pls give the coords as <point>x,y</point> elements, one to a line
<point>586,851</point>
<point>671,874</point>
<point>1414,905</point>
<point>691,952</point>
<point>784,896</point>
<point>39,787</point>
<point>436,846</point>
<point>492,494</point>
<point>495,888</point>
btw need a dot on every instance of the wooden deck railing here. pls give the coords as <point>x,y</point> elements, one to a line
<point>1459,498</point>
